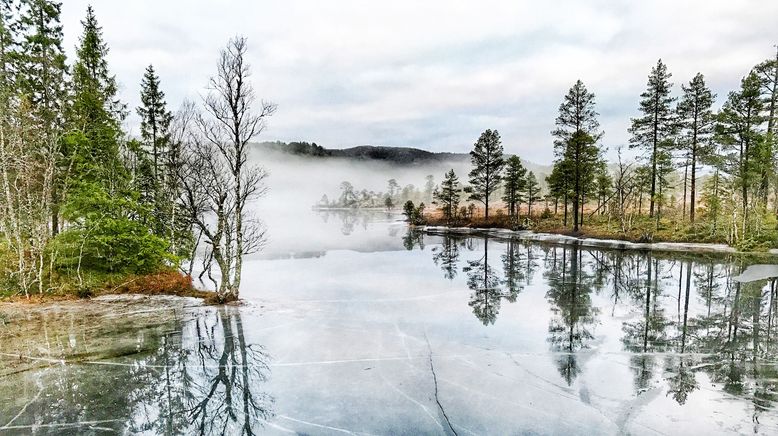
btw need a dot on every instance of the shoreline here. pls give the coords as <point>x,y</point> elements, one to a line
<point>616,244</point>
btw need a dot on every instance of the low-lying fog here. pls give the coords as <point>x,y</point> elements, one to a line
<point>297,183</point>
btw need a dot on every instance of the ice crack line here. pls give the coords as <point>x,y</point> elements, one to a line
<point>435,381</point>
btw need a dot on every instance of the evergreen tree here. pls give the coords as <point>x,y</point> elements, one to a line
<point>738,131</point>
<point>559,187</point>
<point>43,73</point>
<point>447,197</point>
<point>155,121</point>
<point>107,225</point>
<point>42,80</point>
<point>95,111</point>
<point>487,161</point>
<point>657,125</point>
<point>712,199</point>
<point>155,132</point>
<point>767,72</point>
<point>603,186</point>
<point>576,134</point>
<point>515,184</point>
<point>696,121</point>
<point>533,192</point>
<point>8,47</point>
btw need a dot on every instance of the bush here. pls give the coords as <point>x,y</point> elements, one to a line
<point>161,283</point>
<point>414,214</point>
<point>109,233</point>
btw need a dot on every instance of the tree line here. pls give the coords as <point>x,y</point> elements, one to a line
<point>84,202</point>
<point>681,140</point>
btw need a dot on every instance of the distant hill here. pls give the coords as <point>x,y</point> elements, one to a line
<point>401,156</point>
<point>392,155</point>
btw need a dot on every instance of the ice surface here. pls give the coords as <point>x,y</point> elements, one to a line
<point>418,334</point>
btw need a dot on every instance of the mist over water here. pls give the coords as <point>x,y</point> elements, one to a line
<point>297,183</point>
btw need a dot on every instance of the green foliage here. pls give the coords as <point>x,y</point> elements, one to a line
<point>107,234</point>
<point>447,197</point>
<point>515,184</point>
<point>414,214</point>
<point>696,122</point>
<point>533,192</point>
<point>486,174</point>
<point>655,129</point>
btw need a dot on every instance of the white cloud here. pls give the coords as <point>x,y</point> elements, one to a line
<point>434,74</point>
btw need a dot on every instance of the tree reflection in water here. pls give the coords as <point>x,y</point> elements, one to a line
<point>193,376</point>
<point>569,292</point>
<point>684,314</point>
<point>223,397</point>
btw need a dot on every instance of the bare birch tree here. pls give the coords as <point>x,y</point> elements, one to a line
<point>217,180</point>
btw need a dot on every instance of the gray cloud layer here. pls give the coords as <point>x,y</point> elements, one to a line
<point>434,74</point>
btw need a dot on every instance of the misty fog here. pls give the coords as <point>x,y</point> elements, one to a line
<point>296,184</point>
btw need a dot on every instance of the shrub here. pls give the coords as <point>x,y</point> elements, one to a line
<point>161,283</point>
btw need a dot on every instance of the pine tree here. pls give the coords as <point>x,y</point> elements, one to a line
<point>711,198</point>
<point>652,130</point>
<point>576,135</point>
<point>696,121</point>
<point>603,186</point>
<point>738,131</point>
<point>447,197</point>
<point>533,192</point>
<point>559,187</point>
<point>486,158</point>
<point>515,179</point>
<point>767,72</point>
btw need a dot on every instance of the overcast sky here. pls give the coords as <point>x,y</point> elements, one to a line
<point>433,74</point>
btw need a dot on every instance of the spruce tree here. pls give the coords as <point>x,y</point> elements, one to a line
<point>95,111</point>
<point>652,130</point>
<point>577,133</point>
<point>108,226</point>
<point>8,47</point>
<point>696,121</point>
<point>515,179</point>
<point>42,80</point>
<point>155,121</point>
<point>486,158</point>
<point>43,73</point>
<point>155,132</point>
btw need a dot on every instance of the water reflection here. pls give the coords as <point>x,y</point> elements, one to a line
<point>569,292</point>
<point>680,315</point>
<point>352,219</point>
<point>197,375</point>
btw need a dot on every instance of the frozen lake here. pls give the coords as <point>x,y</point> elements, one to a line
<point>378,330</point>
